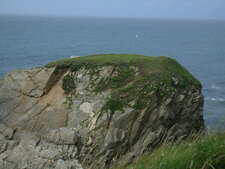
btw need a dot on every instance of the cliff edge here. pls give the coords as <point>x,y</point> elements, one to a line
<point>95,111</point>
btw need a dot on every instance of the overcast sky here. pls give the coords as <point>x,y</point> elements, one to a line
<point>199,9</point>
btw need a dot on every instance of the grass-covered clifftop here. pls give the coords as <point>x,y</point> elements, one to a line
<point>199,153</point>
<point>162,68</point>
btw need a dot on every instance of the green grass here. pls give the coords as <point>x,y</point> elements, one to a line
<point>100,59</point>
<point>161,67</point>
<point>199,153</point>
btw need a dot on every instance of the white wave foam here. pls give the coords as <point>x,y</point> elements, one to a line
<point>74,57</point>
<point>215,87</point>
<point>215,99</point>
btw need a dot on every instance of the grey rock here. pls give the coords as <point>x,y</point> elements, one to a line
<point>113,137</point>
<point>64,136</point>
<point>46,128</point>
<point>7,132</point>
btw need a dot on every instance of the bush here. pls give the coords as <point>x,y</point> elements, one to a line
<point>68,83</point>
<point>113,105</point>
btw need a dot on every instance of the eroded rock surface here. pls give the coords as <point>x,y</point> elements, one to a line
<point>91,117</point>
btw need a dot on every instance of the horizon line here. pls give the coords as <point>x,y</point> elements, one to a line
<point>116,17</point>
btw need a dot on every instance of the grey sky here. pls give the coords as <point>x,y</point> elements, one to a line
<point>199,9</point>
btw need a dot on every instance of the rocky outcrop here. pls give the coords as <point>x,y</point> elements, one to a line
<point>90,115</point>
<point>30,151</point>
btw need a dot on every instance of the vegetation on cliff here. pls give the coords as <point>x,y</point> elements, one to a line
<point>154,75</point>
<point>198,153</point>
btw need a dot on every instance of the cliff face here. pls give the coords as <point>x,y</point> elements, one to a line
<point>95,111</point>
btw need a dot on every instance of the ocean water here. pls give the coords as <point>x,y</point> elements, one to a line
<point>198,45</point>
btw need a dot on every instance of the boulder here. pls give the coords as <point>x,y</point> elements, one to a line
<point>64,136</point>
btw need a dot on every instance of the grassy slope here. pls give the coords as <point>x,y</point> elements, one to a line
<point>161,67</point>
<point>204,153</point>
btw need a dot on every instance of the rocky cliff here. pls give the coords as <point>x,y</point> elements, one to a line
<point>95,111</point>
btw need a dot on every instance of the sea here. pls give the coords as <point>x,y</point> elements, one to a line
<point>199,45</point>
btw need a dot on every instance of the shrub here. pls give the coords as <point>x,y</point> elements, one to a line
<point>68,83</point>
<point>113,105</point>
